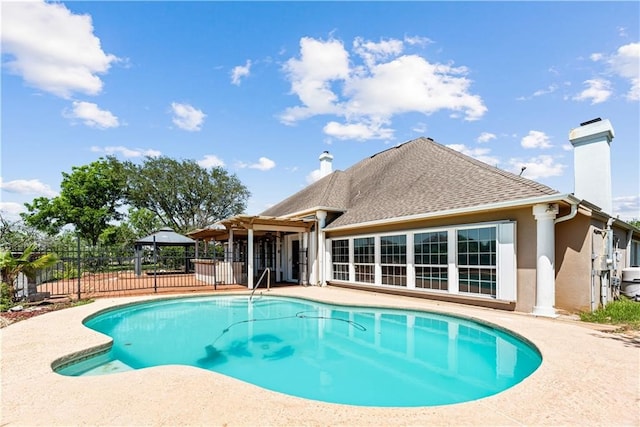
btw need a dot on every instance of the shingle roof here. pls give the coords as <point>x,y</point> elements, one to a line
<point>417,177</point>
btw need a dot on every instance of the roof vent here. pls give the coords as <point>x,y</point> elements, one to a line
<point>597,119</point>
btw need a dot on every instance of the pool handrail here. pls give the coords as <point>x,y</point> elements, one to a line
<point>266,271</point>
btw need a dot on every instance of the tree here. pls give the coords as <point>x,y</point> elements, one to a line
<point>11,267</point>
<point>89,200</point>
<point>118,235</point>
<point>184,195</point>
<point>143,221</point>
<point>17,235</point>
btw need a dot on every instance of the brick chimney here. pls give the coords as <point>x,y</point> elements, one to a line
<point>592,162</point>
<point>325,164</point>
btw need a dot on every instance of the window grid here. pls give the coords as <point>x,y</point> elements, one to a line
<point>365,273</point>
<point>393,260</point>
<point>364,259</point>
<point>340,258</point>
<point>477,272</point>
<point>430,260</point>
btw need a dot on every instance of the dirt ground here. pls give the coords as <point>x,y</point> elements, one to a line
<point>9,317</point>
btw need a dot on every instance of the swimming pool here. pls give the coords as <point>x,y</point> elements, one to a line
<point>343,354</point>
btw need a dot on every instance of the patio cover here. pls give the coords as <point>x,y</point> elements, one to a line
<point>241,223</point>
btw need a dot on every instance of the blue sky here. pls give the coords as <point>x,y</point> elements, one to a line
<point>263,88</point>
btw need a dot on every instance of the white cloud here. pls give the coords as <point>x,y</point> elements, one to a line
<point>187,117</point>
<point>549,89</point>
<point>52,49</point>
<point>626,63</point>
<point>420,128</point>
<point>596,56</point>
<point>211,161</point>
<point>358,131</point>
<point>320,63</point>
<point>263,164</point>
<point>597,91</point>
<point>540,92</point>
<point>127,152</point>
<point>91,115</point>
<point>567,147</point>
<point>240,71</point>
<point>481,154</point>
<point>366,95</point>
<point>536,139</point>
<point>627,207</point>
<point>417,40</point>
<point>313,176</point>
<point>486,137</point>
<point>27,186</point>
<point>411,84</point>
<point>537,167</point>
<point>11,211</point>
<point>372,52</point>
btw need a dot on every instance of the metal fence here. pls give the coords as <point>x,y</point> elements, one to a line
<point>83,272</point>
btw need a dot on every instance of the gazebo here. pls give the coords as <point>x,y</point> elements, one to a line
<point>163,237</point>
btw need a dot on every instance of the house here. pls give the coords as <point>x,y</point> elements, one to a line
<point>424,220</point>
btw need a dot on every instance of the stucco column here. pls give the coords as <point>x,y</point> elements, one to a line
<point>250,258</point>
<point>228,255</point>
<point>278,257</point>
<point>322,218</point>
<point>304,273</point>
<point>545,214</point>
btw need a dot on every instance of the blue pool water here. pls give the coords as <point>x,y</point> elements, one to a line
<point>350,355</point>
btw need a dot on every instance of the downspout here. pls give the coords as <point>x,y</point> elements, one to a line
<point>605,280</point>
<point>570,215</point>
<point>593,274</point>
<point>627,257</point>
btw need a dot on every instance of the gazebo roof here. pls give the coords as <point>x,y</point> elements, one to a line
<point>166,237</point>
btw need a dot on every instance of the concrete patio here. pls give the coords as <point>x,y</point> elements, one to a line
<point>588,377</point>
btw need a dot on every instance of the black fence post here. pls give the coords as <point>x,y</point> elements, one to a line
<point>155,267</point>
<point>79,270</point>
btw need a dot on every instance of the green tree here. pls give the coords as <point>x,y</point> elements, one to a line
<point>118,235</point>
<point>184,195</point>
<point>17,235</point>
<point>143,221</point>
<point>89,200</point>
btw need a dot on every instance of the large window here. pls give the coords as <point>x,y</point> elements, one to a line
<point>393,259</point>
<point>340,257</point>
<point>473,259</point>
<point>430,259</point>
<point>364,259</point>
<point>477,261</point>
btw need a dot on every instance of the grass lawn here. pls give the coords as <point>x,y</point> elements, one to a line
<point>624,312</point>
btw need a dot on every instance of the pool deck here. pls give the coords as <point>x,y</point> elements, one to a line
<point>588,377</point>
